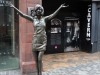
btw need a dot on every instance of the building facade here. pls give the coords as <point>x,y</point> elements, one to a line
<point>74,28</point>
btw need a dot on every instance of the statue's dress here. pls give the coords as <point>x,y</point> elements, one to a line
<point>39,36</point>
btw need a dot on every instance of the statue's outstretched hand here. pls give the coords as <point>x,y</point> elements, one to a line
<point>64,6</point>
<point>10,5</point>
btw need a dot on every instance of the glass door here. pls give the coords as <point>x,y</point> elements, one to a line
<point>71,34</point>
<point>8,59</point>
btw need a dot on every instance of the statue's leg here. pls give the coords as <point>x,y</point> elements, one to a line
<point>41,53</point>
<point>35,53</point>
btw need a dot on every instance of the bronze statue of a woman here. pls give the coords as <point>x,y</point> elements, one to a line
<point>39,37</point>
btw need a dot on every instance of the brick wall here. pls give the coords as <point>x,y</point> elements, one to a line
<point>27,63</point>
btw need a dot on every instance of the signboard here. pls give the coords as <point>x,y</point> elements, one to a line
<point>88,33</point>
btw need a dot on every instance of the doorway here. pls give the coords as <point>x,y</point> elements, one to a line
<point>8,52</point>
<point>73,17</point>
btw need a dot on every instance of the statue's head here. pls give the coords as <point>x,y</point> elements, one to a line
<point>39,10</point>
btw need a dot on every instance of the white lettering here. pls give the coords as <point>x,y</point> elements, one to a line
<point>88,30</point>
<point>88,34</point>
<point>89,9</point>
<point>89,19</point>
<point>88,25</point>
<point>89,15</point>
<point>88,39</point>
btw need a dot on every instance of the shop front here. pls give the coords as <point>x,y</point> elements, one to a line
<point>74,28</point>
<point>9,56</point>
<point>70,30</point>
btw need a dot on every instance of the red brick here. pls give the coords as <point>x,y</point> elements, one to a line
<point>37,1</point>
<point>28,67</point>
<point>29,37</point>
<point>27,63</point>
<point>22,38</point>
<point>30,28</point>
<point>28,52</point>
<point>22,52</point>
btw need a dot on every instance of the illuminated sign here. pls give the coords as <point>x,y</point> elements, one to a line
<point>88,33</point>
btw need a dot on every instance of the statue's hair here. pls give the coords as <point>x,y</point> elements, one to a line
<point>39,6</point>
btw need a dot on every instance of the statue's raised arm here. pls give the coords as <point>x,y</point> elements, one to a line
<point>55,13</point>
<point>21,13</point>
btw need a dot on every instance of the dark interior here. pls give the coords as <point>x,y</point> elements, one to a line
<point>76,9</point>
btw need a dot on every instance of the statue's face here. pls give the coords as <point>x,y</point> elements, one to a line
<point>39,11</point>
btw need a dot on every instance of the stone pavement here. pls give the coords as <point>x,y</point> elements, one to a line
<point>92,68</point>
<point>15,72</point>
<point>71,63</point>
<point>10,72</point>
<point>69,59</point>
